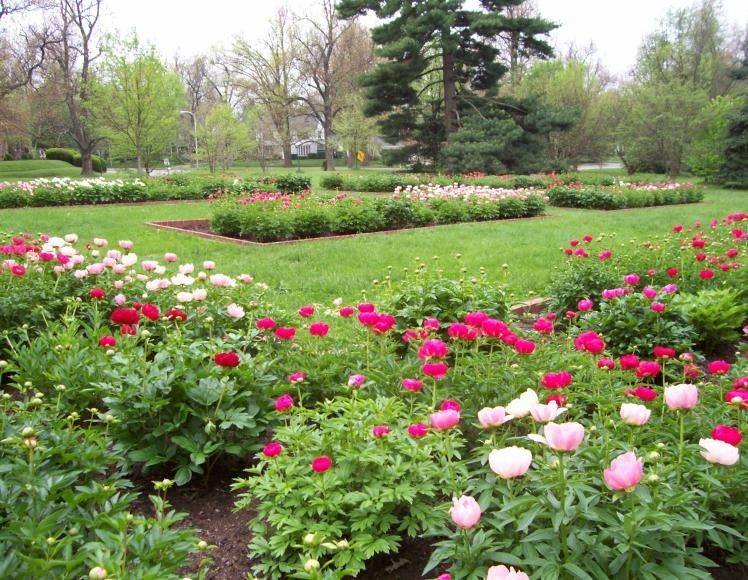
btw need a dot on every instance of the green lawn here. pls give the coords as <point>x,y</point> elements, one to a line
<point>322,270</point>
<point>33,168</point>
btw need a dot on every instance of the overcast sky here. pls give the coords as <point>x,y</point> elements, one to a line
<point>187,27</point>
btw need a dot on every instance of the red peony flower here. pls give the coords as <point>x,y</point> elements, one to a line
<point>265,324</point>
<point>306,311</point>
<point>366,308</point>
<point>18,270</point>
<point>664,352</point>
<point>738,397</point>
<point>606,363</point>
<point>284,403</point>
<point>543,326</point>
<point>706,274</point>
<point>227,359</point>
<point>450,405</point>
<point>175,314</point>
<point>524,346</point>
<point>589,341</point>
<point>107,341</point>
<point>647,369</point>
<point>413,385</point>
<point>96,293</point>
<point>435,370</point>
<point>629,361</point>
<point>346,312</point>
<point>150,311</point>
<point>559,398</point>
<point>418,430</point>
<point>433,349</point>
<point>125,316</point>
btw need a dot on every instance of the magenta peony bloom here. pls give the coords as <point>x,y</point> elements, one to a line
<point>556,380</point>
<point>435,370</point>
<point>718,367</point>
<point>318,329</point>
<point>321,464</point>
<point>523,346</point>
<point>272,449</point>
<point>629,361</point>
<point>285,333</point>
<point>433,349</point>
<point>510,462</point>
<point>412,385</point>
<point>306,311</point>
<point>380,431</point>
<point>584,305</point>
<point>647,369</point>
<point>356,380</point>
<point>731,435</point>
<point>625,472</point>
<point>284,403</point>
<point>589,341</point>
<point>265,324</point>
<point>418,430</point>
<point>606,363</point>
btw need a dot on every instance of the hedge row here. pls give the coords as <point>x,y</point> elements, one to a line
<point>622,197</point>
<point>74,158</point>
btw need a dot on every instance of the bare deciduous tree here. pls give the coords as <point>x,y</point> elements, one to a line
<point>269,73</point>
<point>334,53</point>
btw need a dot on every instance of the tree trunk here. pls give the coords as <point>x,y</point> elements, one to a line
<point>450,96</point>
<point>329,151</point>
<point>86,162</point>
<point>140,163</point>
<point>286,138</point>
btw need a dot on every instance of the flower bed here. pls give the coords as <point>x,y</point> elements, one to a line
<point>622,195</point>
<point>554,449</point>
<point>270,217</point>
<point>57,191</point>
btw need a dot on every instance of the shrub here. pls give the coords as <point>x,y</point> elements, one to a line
<point>376,490</point>
<point>717,315</point>
<point>293,183</point>
<point>332,181</point>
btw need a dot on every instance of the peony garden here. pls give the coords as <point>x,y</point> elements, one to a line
<point>436,419</point>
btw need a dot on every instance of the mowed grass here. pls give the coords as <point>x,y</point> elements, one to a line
<point>33,168</point>
<point>523,253</point>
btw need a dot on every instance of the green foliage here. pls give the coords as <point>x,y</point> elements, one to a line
<point>377,490</point>
<point>480,145</point>
<point>580,279</point>
<point>269,218</point>
<point>425,293</point>
<point>427,51</point>
<point>74,158</point>
<point>620,197</point>
<point>65,509</point>
<point>222,137</point>
<point>734,173</point>
<point>706,155</point>
<point>180,409</point>
<point>717,315</point>
<point>136,101</point>
<point>629,325</point>
<point>292,183</point>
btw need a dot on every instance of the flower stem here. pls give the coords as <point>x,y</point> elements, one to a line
<point>563,532</point>
<point>681,447</point>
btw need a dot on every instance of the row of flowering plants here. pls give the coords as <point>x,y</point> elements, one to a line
<point>622,195</point>
<point>545,450</point>
<point>59,191</point>
<point>270,217</point>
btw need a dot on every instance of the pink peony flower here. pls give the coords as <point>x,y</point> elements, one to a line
<point>664,352</point>
<point>413,385</point>
<point>631,279</point>
<point>443,420</point>
<point>475,319</point>
<point>647,369</point>
<point>658,307</point>
<point>606,363</point>
<point>493,417</point>
<point>306,311</point>
<point>718,367</point>
<point>465,512</point>
<point>523,346</point>
<point>546,413</point>
<point>503,573</point>
<point>170,257</point>
<point>625,472</point>
<point>285,333</point>
<point>643,393</point>
<point>561,437</point>
<point>296,378</point>
<point>346,312</point>
<point>235,311</point>
<point>265,324</point>
<point>584,305</point>
<point>433,349</point>
<point>629,361</point>
<point>356,380</point>
<point>380,431</point>
<point>556,380</point>
<point>589,341</point>
<point>449,405</point>
<point>682,396</point>
<point>510,462</point>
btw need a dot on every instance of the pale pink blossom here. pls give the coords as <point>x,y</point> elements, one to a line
<point>101,242</point>
<point>493,417</point>
<point>95,269</point>
<point>633,414</point>
<point>149,265</point>
<point>545,413</point>
<point>716,451</point>
<point>209,265</point>
<point>682,396</point>
<point>465,512</point>
<point>129,259</point>
<point>503,573</point>
<point>119,269</point>
<point>520,407</point>
<point>120,299</point>
<point>234,310</point>
<point>222,281</point>
<point>199,294</point>
<point>170,257</point>
<point>510,462</point>
<point>186,268</point>
<point>184,297</point>
<point>126,244</point>
<point>71,238</point>
<point>114,254</point>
